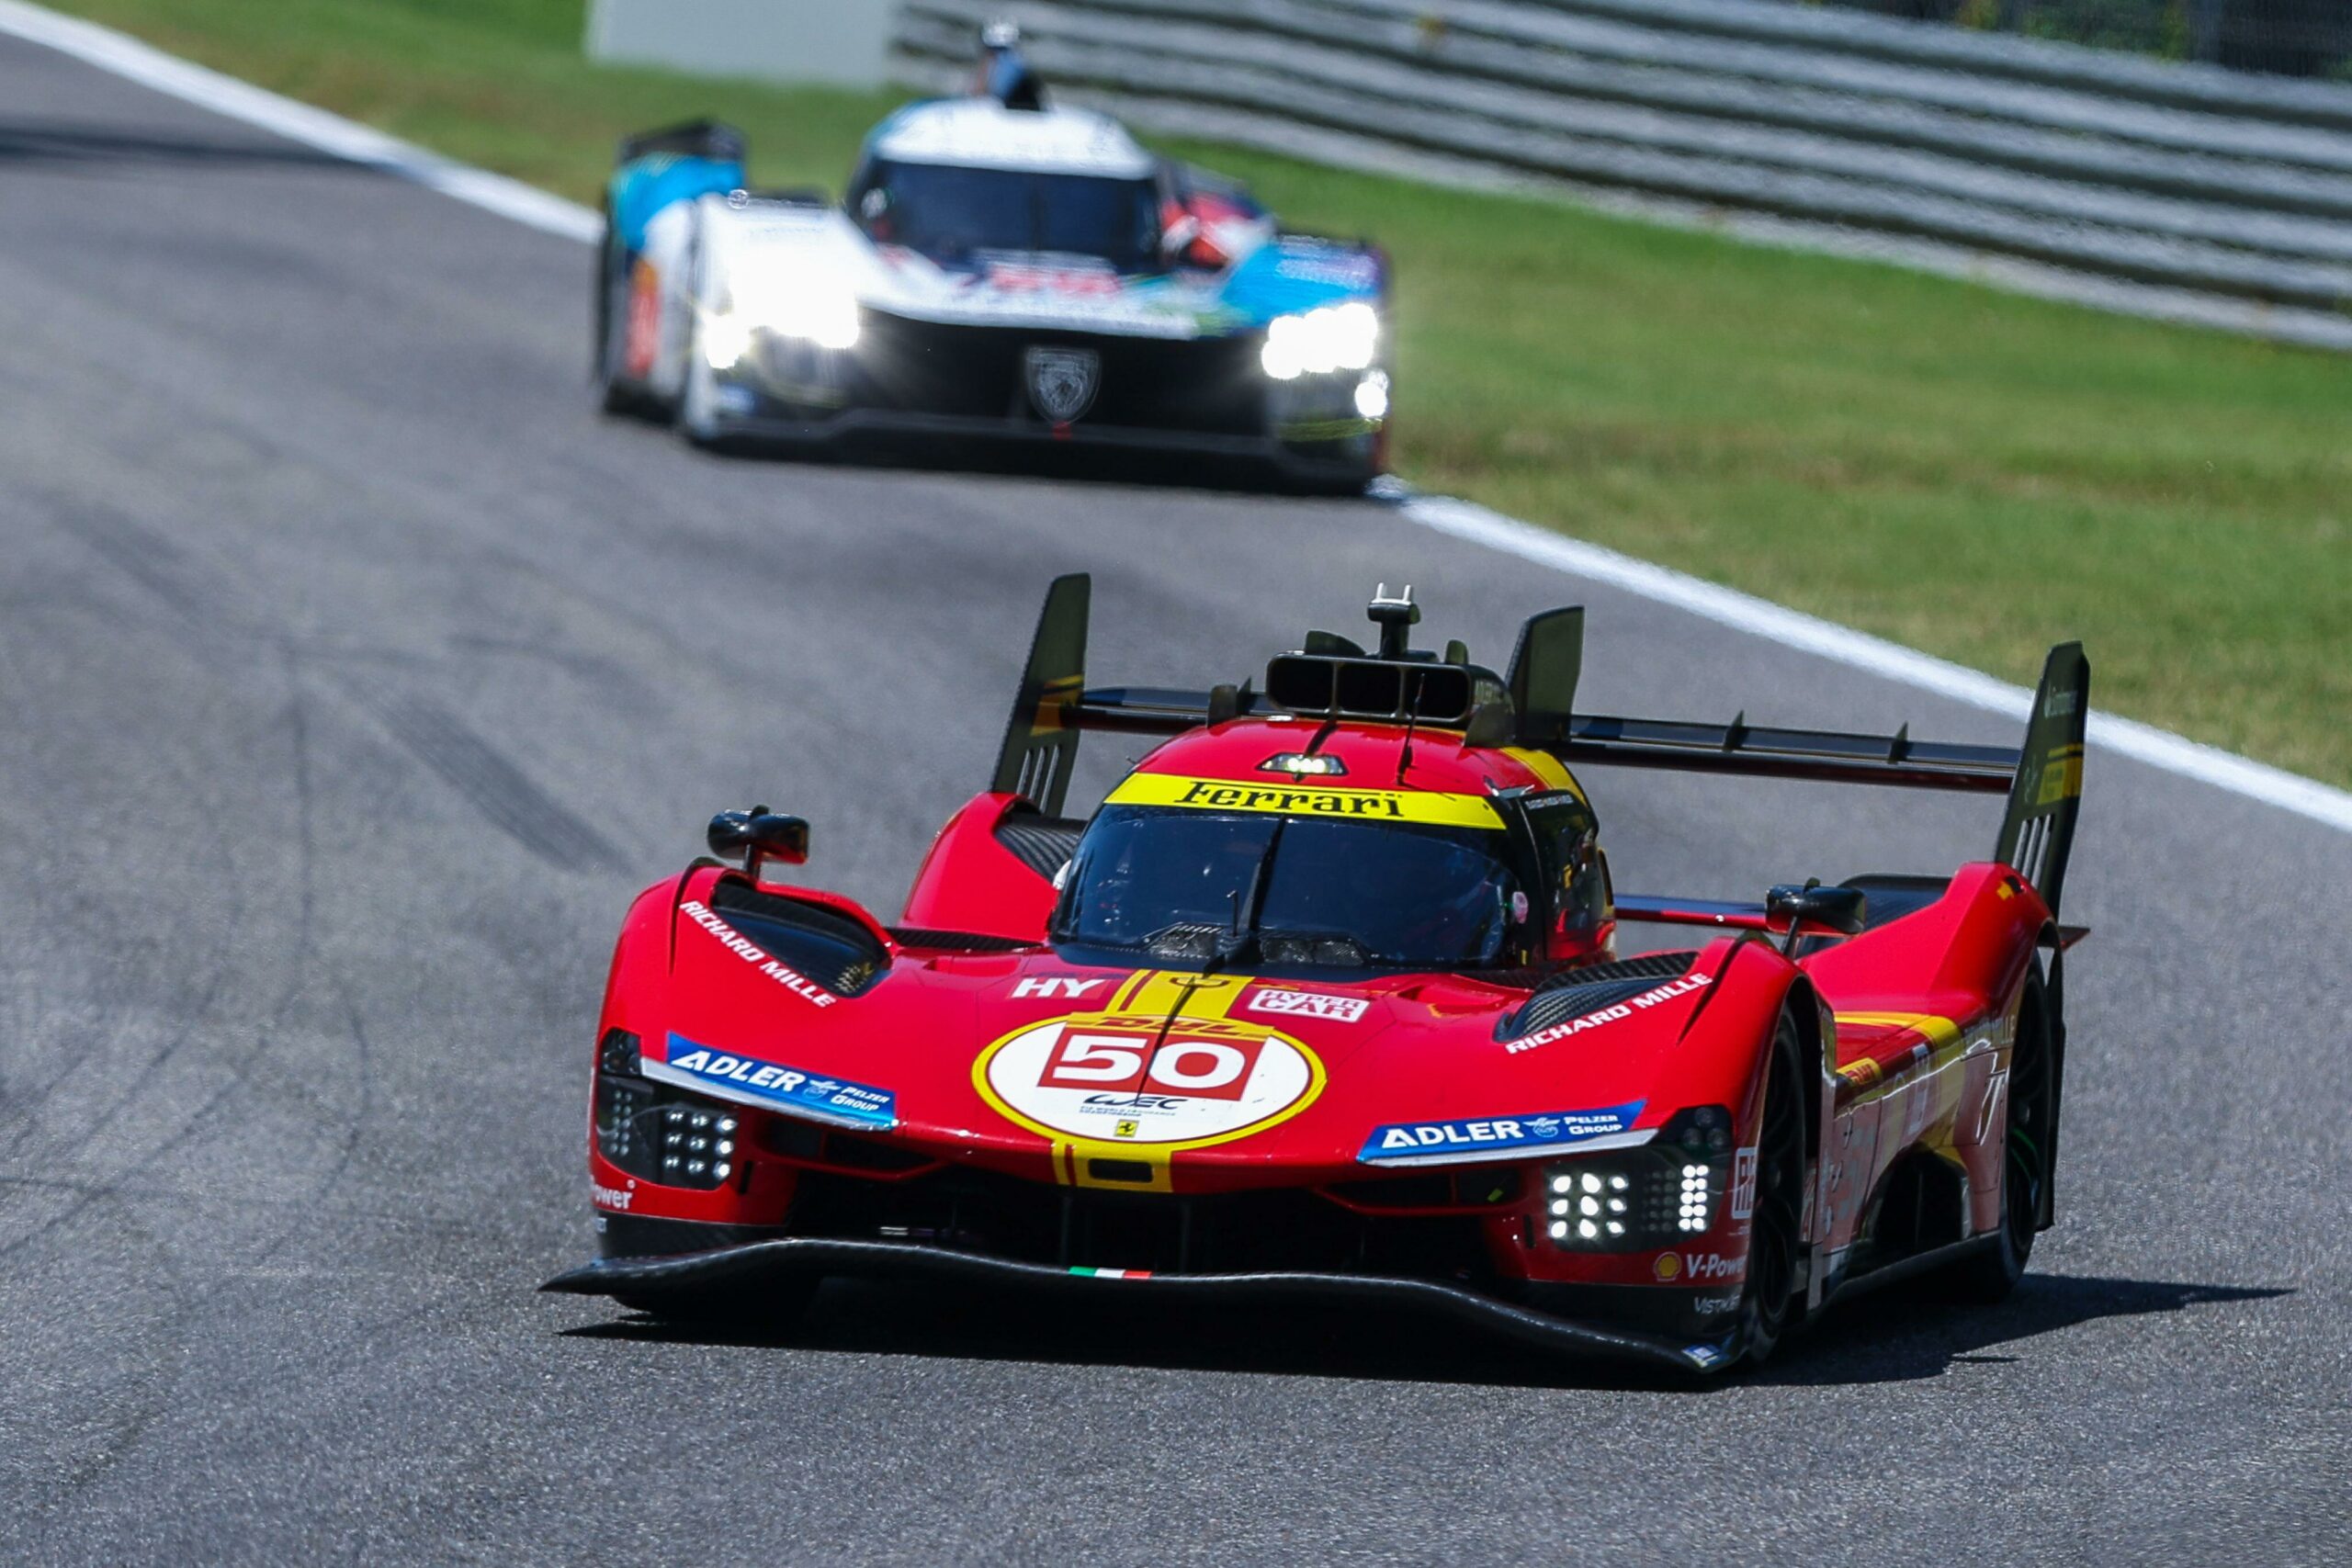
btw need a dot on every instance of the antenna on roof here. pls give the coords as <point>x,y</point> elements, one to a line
<point>1395,618</point>
<point>1003,74</point>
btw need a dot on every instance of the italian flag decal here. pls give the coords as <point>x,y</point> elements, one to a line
<point>1112,1273</point>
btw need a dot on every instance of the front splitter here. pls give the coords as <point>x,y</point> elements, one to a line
<point>750,1264</point>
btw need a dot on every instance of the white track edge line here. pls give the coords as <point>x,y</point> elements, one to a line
<point>1810,634</point>
<point>127,57</point>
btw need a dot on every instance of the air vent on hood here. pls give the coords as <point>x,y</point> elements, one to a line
<point>833,950</point>
<point>1041,843</point>
<point>1592,987</point>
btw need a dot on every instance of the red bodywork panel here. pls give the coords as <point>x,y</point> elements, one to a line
<point>970,881</point>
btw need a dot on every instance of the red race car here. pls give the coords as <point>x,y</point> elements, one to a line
<point>1325,1001</point>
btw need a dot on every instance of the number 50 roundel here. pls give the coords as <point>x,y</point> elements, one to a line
<point>1115,1077</point>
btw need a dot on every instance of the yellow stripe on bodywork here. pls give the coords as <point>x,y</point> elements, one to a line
<point>1162,993</point>
<point>1938,1033</point>
<point>1427,807</point>
<point>1548,768</point>
<point>1151,995</point>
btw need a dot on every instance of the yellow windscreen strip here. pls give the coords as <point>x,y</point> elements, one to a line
<point>1427,807</point>
<point>1545,766</point>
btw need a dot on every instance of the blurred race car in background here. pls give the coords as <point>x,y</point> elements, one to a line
<point>1001,269</point>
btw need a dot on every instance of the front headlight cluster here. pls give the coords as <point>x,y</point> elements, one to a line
<point>1318,342</point>
<point>656,1131</point>
<point>1662,1194</point>
<point>1589,1206</point>
<point>815,308</point>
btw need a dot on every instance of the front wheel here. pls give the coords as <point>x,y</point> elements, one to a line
<point>1776,1234</point>
<point>611,317</point>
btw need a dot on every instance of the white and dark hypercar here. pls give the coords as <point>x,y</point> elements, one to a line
<point>1028,274</point>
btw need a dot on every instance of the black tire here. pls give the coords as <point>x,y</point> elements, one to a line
<point>1769,1307</point>
<point>766,1307</point>
<point>1339,484</point>
<point>611,308</point>
<point>2028,1111</point>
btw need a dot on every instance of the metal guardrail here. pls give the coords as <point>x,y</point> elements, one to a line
<point>2294,38</point>
<point>2187,178</point>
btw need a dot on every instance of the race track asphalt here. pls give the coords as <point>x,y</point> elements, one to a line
<point>354,672</point>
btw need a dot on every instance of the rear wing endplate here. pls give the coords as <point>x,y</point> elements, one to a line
<point>1040,748</point>
<point>2038,832</point>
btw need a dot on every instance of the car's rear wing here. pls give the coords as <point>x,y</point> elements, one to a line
<point>713,139</point>
<point>1534,707</point>
<point>2038,831</point>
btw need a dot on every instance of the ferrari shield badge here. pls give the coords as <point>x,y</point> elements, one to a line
<point>1062,381</point>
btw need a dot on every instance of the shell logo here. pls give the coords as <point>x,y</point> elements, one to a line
<point>1667,1266</point>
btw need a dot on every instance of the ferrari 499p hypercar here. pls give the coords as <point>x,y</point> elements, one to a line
<point>1003,272</point>
<point>1325,1001</point>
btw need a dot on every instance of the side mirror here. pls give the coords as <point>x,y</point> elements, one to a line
<point>759,835</point>
<point>1838,910</point>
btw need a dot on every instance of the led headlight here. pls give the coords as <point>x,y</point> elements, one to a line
<point>1660,1195</point>
<point>697,1147</point>
<point>653,1131</point>
<point>726,338</point>
<point>1318,341</point>
<point>1589,1205</point>
<point>795,305</point>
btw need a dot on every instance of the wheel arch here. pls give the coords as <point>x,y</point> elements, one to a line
<point>1816,1043</point>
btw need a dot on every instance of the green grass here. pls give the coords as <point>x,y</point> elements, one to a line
<point>1969,472</point>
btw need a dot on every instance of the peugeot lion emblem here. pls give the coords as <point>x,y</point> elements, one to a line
<point>1062,381</point>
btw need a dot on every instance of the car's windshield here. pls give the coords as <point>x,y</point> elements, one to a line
<point>949,212</point>
<point>1179,883</point>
